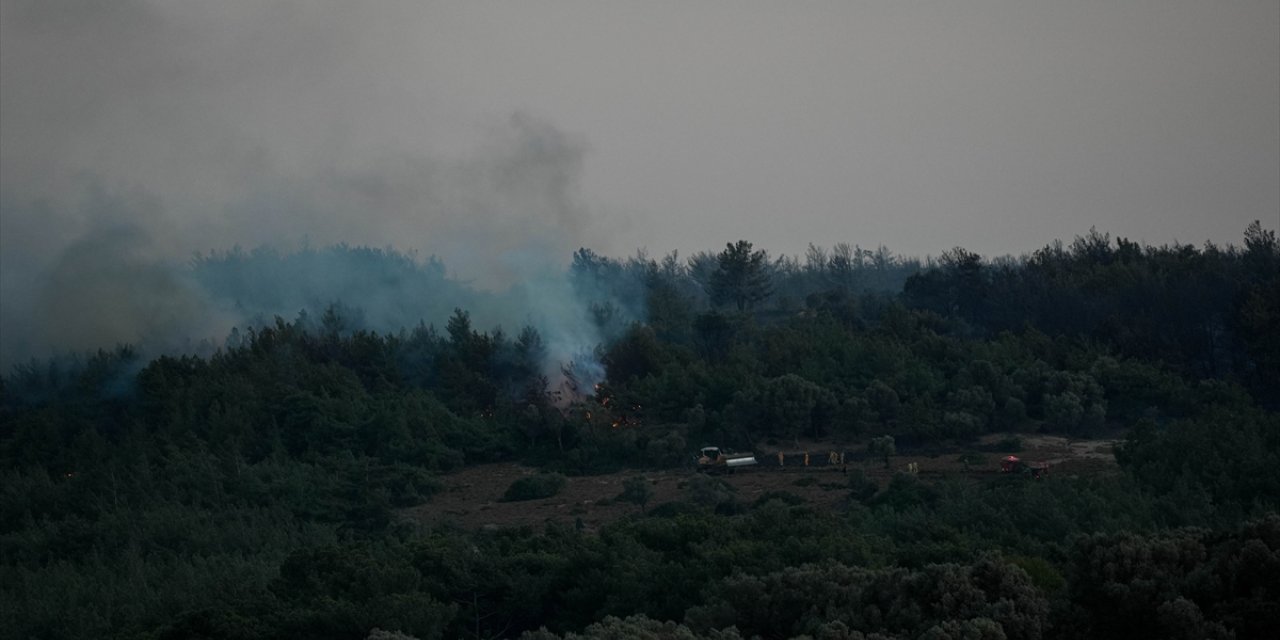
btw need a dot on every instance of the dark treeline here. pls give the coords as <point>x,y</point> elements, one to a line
<point>1209,313</point>
<point>254,492</point>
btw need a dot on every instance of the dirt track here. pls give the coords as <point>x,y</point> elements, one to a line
<point>471,496</point>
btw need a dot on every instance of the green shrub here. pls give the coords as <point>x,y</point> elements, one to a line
<point>637,491</point>
<point>971,459</point>
<point>861,488</point>
<point>789,499</point>
<point>882,447</point>
<point>543,485</point>
<point>1013,444</point>
<point>674,509</point>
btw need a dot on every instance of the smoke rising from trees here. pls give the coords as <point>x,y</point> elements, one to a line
<point>137,136</point>
<point>509,219</point>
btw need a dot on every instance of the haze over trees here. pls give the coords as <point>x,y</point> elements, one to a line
<point>257,489</point>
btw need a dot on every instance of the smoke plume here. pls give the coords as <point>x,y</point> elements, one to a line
<point>170,172</point>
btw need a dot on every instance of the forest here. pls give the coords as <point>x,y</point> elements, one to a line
<point>258,488</point>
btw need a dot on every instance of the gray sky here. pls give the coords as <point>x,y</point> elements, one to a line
<point>482,130</point>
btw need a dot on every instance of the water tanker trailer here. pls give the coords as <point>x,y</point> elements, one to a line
<point>713,460</point>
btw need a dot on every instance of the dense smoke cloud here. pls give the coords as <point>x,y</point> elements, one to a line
<point>137,136</point>
<point>508,217</point>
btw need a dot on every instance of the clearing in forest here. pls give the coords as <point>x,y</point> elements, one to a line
<point>472,496</point>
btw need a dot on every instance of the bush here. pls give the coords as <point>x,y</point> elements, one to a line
<point>789,499</point>
<point>637,491</point>
<point>882,447</point>
<point>971,459</point>
<point>674,509</point>
<point>543,485</point>
<point>905,490</point>
<point>1010,444</point>
<point>861,488</point>
<point>711,492</point>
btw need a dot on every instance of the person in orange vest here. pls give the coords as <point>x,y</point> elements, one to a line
<point>806,458</point>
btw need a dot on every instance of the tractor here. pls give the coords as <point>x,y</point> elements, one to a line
<point>713,460</point>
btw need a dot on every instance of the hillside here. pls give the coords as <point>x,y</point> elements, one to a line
<point>324,477</point>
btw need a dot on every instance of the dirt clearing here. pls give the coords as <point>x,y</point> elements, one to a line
<point>471,497</point>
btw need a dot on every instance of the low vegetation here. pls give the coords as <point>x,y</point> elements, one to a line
<point>543,485</point>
